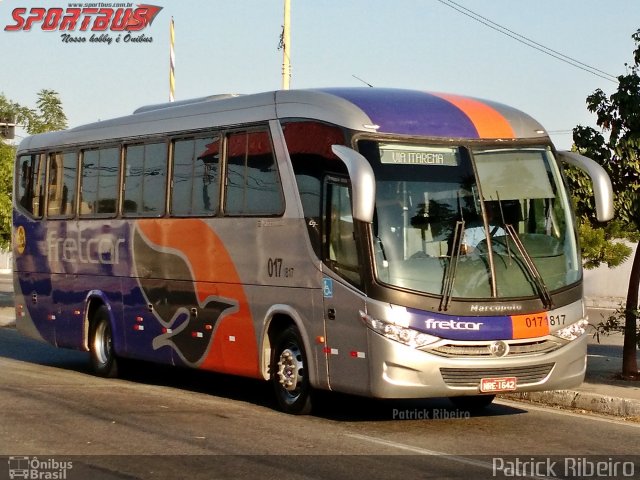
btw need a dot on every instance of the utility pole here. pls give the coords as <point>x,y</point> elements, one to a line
<point>286,46</point>
<point>172,62</point>
<point>7,128</point>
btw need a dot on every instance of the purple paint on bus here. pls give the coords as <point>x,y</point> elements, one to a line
<point>409,112</point>
<point>461,328</point>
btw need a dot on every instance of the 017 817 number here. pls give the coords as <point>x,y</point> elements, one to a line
<point>277,269</point>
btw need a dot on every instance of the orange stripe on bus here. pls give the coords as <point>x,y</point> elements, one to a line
<point>216,275</point>
<point>488,122</point>
<point>530,326</point>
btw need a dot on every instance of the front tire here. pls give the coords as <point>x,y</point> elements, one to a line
<point>289,373</point>
<point>103,359</point>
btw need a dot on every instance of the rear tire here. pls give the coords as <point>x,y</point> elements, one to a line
<point>472,403</point>
<point>289,373</point>
<point>103,359</point>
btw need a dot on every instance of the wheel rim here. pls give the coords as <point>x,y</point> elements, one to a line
<point>291,372</point>
<point>102,343</point>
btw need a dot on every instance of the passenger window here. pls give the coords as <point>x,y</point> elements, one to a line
<point>253,183</point>
<point>145,180</point>
<point>309,145</point>
<point>61,191</point>
<point>31,184</point>
<point>196,178</point>
<point>100,180</point>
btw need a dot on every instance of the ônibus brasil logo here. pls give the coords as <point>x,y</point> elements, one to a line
<point>124,20</point>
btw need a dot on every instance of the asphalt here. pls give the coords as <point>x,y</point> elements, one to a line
<point>602,391</point>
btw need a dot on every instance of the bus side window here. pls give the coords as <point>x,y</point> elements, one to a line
<point>253,182</point>
<point>145,180</point>
<point>100,181</point>
<point>31,184</point>
<point>342,250</point>
<point>309,145</point>
<point>61,190</point>
<point>196,177</point>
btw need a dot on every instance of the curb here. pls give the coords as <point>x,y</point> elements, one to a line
<point>7,321</point>
<point>7,316</point>
<point>591,402</point>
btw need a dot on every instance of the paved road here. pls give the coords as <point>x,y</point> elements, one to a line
<point>167,423</point>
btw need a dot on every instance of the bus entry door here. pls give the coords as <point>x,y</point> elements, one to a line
<point>346,334</point>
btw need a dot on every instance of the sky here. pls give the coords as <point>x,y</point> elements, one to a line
<point>232,47</point>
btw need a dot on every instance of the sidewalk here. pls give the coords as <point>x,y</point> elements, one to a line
<point>7,312</point>
<point>601,391</point>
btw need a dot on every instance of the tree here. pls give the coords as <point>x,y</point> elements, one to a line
<point>49,116</point>
<point>617,150</point>
<point>7,154</point>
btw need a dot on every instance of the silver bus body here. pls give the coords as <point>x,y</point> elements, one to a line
<point>277,259</point>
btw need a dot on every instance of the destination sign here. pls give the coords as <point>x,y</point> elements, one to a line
<point>414,155</point>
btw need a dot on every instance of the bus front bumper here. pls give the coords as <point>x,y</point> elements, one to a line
<point>399,371</point>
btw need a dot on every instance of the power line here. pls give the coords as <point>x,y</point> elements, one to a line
<point>529,42</point>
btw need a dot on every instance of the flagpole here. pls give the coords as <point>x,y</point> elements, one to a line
<point>172,62</point>
<point>286,44</point>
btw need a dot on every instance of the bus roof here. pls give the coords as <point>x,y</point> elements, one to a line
<point>381,110</point>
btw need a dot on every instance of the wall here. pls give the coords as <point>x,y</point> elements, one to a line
<point>5,262</point>
<point>607,287</point>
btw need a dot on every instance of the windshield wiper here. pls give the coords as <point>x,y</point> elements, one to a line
<point>385,261</point>
<point>450,271</point>
<point>543,291</point>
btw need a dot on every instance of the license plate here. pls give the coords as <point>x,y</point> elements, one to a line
<point>502,384</point>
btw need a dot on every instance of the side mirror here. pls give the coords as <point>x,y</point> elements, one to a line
<point>599,179</point>
<point>363,182</point>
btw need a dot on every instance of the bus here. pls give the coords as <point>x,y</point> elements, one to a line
<point>384,243</point>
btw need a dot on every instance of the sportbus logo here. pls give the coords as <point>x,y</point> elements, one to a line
<point>106,22</point>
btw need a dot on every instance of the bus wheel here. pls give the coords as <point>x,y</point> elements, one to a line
<point>103,358</point>
<point>289,373</point>
<point>472,403</point>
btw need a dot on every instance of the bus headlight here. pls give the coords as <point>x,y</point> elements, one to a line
<point>404,335</point>
<point>573,331</point>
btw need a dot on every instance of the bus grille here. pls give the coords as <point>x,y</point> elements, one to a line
<point>470,377</point>
<point>516,349</point>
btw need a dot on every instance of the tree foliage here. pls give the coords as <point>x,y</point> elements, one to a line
<point>599,245</point>
<point>617,149</point>
<point>7,153</point>
<point>47,116</point>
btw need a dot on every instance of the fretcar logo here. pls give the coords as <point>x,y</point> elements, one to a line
<point>452,325</point>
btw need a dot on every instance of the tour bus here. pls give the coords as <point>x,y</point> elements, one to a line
<point>384,243</point>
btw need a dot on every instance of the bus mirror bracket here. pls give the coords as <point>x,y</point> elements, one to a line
<point>599,180</point>
<point>363,182</point>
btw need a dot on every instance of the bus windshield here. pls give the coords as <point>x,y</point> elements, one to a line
<point>471,223</point>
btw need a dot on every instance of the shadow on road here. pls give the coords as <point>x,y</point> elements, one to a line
<point>15,346</point>
<point>6,299</point>
<point>328,405</point>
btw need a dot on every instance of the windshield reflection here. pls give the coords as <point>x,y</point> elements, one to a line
<point>471,224</point>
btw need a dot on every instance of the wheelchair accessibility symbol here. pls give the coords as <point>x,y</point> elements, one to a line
<point>327,287</point>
